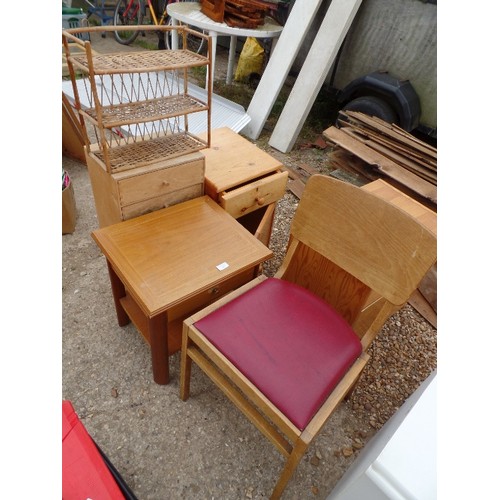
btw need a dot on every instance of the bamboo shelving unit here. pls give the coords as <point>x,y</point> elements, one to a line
<point>139,101</point>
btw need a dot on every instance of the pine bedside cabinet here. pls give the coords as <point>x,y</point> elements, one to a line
<point>244,180</point>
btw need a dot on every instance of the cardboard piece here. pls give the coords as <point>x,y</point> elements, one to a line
<point>68,209</point>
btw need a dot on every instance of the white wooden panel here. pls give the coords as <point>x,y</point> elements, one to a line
<point>323,51</point>
<point>280,62</point>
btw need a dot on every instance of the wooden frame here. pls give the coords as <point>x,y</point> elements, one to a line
<point>345,244</point>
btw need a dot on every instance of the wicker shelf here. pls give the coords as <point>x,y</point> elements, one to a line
<point>137,103</point>
<point>139,62</point>
<point>146,111</point>
<point>147,152</point>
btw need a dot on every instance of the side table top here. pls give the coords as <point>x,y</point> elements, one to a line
<point>167,256</point>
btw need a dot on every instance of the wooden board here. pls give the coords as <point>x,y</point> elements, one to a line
<point>319,60</point>
<point>342,159</point>
<point>408,150</point>
<point>392,131</point>
<point>382,164</point>
<point>297,187</point>
<point>214,9</point>
<point>403,160</point>
<point>73,140</point>
<point>424,308</point>
<point>279,65</point>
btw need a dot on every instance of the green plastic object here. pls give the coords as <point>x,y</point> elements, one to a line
<point>69,10</point>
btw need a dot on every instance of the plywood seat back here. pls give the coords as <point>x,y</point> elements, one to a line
<point>377,243</point>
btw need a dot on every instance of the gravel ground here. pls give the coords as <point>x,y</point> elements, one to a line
<point>204,448</point>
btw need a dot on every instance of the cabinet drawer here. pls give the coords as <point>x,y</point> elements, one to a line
<point>158,182</point>
<point>179,313</point>
<point>254,195</point>
<point>152,204</point>
<point>203,299</point>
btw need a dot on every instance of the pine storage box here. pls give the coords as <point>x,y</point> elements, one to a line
<point>124,195</point>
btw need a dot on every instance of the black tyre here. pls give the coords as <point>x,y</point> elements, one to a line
<point>127,13</point>
<point>194,43</point>
<point>373,106</point>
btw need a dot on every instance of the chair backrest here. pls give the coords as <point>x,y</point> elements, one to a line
<point>346,243</point>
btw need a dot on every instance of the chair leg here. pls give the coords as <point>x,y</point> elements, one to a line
<point>291,464</point>
<point>185,375</point>
<point>351,389</point>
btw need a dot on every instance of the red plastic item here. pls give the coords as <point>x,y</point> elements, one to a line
<point>85,475</point>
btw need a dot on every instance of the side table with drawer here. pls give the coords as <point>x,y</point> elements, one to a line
<point>165,265</point>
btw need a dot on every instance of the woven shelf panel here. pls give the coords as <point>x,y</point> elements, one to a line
<point>141,62</point>
<point>138,154</point>
<point>154,109</point>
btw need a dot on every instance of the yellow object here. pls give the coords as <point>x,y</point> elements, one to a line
<point>251,60</point>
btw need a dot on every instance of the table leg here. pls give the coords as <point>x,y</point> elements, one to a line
<point>213,35</point>
<point>231,57</point>
<point>118,292</point>
<point>175,35</point>
<point>158,337</point>
<point>274,41</point>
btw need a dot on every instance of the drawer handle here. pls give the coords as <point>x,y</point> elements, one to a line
<point>165,183</point>
<point>214,291</point>
<point>260,201</point>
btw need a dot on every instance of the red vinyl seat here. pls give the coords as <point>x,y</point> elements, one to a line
<point>295,350</point>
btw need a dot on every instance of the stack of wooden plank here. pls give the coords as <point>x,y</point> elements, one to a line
<point>248,14</point>
<point>214,9</point>
<point>376,148</point>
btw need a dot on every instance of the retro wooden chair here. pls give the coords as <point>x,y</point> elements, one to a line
<point>287,350</point>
